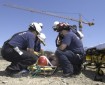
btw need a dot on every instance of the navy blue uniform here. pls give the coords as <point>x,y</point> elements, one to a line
<point>73,53</point>
<point>22,40</point>
<point>73,43</point>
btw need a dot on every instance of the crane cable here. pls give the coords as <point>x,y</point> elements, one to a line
<point>48,13</point>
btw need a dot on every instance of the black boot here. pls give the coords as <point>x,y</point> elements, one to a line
<point>77,69</point>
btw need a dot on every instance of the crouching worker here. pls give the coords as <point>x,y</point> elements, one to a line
<point>37,47</point>
<point>19,50</point>
<point>69,50</point>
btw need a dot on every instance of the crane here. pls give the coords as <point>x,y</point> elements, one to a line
<point>80,21</point>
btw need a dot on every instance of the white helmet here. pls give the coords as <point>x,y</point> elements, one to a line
<point>56,23</point>
<point>42,38</point>
<point>36,26</point>
<point>41,25</point>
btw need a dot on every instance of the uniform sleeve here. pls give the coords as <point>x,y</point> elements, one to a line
<point>66,40</point>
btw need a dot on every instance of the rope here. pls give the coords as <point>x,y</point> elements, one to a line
<point>37,71</point>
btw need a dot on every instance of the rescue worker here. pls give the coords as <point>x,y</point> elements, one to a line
<point>19,50</point>
<point>69,51</point>
<point>40,39</point>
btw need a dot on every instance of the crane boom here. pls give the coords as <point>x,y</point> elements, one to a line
<point>48,13</point>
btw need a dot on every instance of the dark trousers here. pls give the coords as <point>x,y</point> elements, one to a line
<point>18,62</point>
<point>68,60</point>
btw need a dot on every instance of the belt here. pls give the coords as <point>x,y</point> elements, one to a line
<point>15,48</point>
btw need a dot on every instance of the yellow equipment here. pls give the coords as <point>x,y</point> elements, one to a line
<point>42,70</point>
<point>95,57</point>
<point>37,69</point>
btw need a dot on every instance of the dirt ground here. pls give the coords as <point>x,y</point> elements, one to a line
<point>85,78</point>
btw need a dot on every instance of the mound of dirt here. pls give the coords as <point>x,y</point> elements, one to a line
<point>84,78</point>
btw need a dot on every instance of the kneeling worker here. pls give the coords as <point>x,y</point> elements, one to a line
<point>19,50</point>
<point>69,50</point>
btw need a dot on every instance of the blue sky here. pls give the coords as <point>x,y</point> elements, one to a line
<point>15,20</point>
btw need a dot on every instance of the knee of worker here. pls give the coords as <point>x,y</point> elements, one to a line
<point>60,55</point>
<point>33,59</point>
